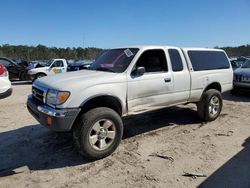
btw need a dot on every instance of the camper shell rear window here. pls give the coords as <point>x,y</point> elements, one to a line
<point>208,60</point>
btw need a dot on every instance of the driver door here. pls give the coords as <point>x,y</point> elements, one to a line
<point>153,89</point>
<point>57,67</point>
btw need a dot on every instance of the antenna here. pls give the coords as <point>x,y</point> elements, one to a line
<point>83,40</point>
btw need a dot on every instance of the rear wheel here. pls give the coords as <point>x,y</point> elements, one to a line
<point>98,132</point>
<point>210,106</point>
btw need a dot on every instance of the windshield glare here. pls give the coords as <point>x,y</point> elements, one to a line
<point>116,60</point>
<point>246,64</point>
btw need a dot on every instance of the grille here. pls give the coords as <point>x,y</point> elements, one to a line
<point>238,78</point>
<point>242,78</point>
<point>38,94</point>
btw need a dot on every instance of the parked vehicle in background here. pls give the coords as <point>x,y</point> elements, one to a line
<point>54,66</point>
<point>15,70</point>
<point>238,61</point>
<point>128,81</point>
<point>242,58</point>
<point>242,78</point>
<point>78,65</point>
<point>5,85</point>
<point>234,64</point>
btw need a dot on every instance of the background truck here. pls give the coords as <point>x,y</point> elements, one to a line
<point>54,66</point>
<point>127,81</point>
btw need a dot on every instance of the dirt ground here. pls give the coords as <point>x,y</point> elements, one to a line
<point>157,150</point>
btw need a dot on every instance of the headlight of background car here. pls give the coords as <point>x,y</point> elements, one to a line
<point>55,97</point>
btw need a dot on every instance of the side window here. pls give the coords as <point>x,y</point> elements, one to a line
<point>58,64</point>
<point>4,63</point>
<point>208,60</point>
<point>176,61</point>
<point>153,61</point>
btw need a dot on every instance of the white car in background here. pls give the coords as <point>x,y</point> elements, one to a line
<point>5,85</point>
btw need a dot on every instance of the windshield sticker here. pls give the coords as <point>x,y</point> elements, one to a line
<point>128,53</point>
<point>107,65</point>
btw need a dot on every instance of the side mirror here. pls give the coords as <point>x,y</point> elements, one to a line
<point>139,71</point>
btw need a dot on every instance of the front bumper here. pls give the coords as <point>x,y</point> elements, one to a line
<point>6,93</point>
<point>242,85</point>
<point>61,120</point>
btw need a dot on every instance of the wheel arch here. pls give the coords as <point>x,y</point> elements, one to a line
<point>42,73</point>
<point>104,100</point>
<point>214,85</point>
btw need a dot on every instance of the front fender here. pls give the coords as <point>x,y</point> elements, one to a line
<point>80,96</point>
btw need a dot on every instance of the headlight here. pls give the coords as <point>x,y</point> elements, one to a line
<point>55,97</point>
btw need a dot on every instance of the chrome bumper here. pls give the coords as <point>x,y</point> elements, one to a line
<point>62,120</point>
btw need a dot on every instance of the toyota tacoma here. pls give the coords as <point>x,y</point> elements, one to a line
<point>128,81</point>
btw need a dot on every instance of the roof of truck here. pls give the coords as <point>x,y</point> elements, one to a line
<point>166,46</point>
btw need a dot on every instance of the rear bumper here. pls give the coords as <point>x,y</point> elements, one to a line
<point>61,120</point>
<point>6,93</point>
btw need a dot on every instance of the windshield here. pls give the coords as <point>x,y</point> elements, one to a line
<point>246,64</point>
<point>49,62</point>
<point>116,60</point>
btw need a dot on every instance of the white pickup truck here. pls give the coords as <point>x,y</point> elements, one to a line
<point>55,66</point>
<point>126,81</point>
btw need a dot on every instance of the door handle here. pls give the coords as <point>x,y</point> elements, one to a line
<point>167,79</point>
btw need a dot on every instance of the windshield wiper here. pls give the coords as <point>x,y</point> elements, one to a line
<point>104,69</point>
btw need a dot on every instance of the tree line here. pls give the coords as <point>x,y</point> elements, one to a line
<point>243,50</point>
<point>41,52</point>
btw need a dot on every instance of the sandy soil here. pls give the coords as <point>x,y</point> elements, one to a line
<point>157,150</point>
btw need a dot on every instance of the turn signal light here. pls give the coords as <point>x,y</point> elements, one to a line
<point>49,120</point>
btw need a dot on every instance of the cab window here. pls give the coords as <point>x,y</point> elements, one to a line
<point>153,61</point>
<point>58,64</point>
<point>176,61</point>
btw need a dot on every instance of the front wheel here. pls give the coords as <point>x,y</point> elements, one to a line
<point>39,75</point>
<point>97,133</point>
<point>22,76</point>
<point>210,106</point>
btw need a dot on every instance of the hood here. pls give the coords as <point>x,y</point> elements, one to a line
<point>242,71</point>
<point>79,79</point>
<point>39,69</point>
<point>75,64</point>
